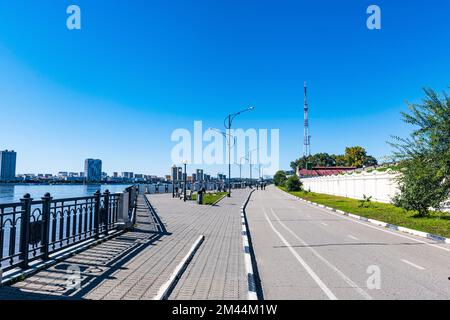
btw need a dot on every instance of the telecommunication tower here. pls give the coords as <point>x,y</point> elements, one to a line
<point>307,137</point>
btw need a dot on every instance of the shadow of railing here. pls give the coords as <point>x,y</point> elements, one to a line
<point>77,276</point>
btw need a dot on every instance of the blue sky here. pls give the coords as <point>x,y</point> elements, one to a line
<point>140,69</point>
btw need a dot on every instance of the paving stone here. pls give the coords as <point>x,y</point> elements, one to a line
<point>136,264</point>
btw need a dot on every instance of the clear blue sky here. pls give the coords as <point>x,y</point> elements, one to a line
<point>140,69</point>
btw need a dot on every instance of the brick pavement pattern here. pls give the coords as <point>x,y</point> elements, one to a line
<point>136,264</point>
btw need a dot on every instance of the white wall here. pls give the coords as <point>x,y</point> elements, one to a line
<point>380,185</point>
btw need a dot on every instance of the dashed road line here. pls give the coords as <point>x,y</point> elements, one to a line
<point>412,264</point>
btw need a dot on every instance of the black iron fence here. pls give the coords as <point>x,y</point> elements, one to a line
<point>33,229</point>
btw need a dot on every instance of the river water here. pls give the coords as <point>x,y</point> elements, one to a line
<point>13,193</point>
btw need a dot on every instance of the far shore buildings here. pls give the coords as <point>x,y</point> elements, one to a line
<point>93,170</point>
<point>8,165</point>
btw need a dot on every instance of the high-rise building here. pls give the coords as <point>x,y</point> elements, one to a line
<point>93,170</point>
<point>200,175</point>
<point>127,175</point>
<point>174,173</point>
<point>8,165</point>
<point>180,174</point>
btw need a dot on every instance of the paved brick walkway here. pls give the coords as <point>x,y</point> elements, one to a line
<point>136,264</point>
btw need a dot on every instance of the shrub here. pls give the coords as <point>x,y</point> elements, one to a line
<point>279,178</point>
<point>293,184</point>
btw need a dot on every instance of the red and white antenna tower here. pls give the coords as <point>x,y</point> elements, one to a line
<point>307,137</point>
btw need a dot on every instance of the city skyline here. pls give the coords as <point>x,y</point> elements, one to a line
<point>123,94</point>
<point>93,172</point>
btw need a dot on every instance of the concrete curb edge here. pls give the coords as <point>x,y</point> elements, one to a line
<point>166,288</point>
<point>250,266</point>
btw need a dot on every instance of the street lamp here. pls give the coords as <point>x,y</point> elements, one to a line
<point>240,167</point>
<point>250,156</point>
<point>227,123</point>
<point>184,178</point>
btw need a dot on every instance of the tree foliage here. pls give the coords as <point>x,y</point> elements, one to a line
<point>293,183</point>
<point>424,157</point>
<point>279,178</point>
<point>353,157</point>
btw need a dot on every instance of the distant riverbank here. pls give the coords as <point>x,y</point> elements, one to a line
<point>46,183</point>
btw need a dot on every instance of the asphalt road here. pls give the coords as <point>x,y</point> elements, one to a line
<point>306,252</point>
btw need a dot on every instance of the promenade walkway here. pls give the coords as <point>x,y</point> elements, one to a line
<point>134,265</point>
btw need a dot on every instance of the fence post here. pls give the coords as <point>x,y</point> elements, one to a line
<point>106,212</point>
<point>46,223</point>
<point>25,229</point>
<point>97,214</point>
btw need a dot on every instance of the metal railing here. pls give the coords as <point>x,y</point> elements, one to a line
<point>34,229</point>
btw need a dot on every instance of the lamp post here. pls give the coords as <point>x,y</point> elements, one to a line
<point>228,137</point>
<point>240,167</point>
<point>250,157</point>
<point>184,178</point>
<point>227,123</point>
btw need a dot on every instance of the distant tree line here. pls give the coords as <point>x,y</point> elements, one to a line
<point>354,157</point>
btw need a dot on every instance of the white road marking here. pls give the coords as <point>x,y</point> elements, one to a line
<point>352,237</point>
<point>324,224</point>
<point>413,264</point>
<point>308,269</point>
<point>339,272</point>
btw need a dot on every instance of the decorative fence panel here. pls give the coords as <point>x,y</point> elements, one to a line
<point>34,229</point>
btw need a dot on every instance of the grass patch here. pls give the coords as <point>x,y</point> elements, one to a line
<point>437,223</point>
<point>209,198</point>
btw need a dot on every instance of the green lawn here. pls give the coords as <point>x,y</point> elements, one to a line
<point>210,198</point>
<point>436,222</point>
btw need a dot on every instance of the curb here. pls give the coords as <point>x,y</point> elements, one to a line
<point>218,200</point>
<point>166,289</point>
<point>389,226</point>
<point>250,262</point>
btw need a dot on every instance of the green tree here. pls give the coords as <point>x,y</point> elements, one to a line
<point>355,156</point>
<point>279,178</point>
<point>370,161</point>
<point>293,183</point>
<point>424,157</point>
<point>420,185</point>
<point>340,160</point>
